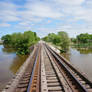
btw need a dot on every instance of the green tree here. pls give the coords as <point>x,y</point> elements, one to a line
<point>45,38</point>
<point>61,39</point>
<point>55,39</point>
<point>64,40</point>
<point>83,38</point>
<point>74,40</point>
<point>7,40</point>
<point>21,41</point>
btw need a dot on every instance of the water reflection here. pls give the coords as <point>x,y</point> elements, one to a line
<point>84,51</point>
<point>8,50</point>
<point>9,65</point>
<point>81,59</point>
<point>17,62</point>
<point>66,55</point>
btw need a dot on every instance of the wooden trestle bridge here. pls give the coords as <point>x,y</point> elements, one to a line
<point>46,71</point>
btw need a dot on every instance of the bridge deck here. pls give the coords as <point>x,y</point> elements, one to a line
<point>47,71</point>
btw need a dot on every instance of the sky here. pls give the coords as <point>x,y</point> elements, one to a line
<point>46,16</point>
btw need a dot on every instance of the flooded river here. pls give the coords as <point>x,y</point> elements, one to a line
<point>82,59</point>
<point>9,65</point>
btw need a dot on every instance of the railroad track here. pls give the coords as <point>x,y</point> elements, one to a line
<point>49,72</point>
<point>34,84</point>
<point>46,76</point>
<point>50,75</point>
<point>76,80</point>
<point>24,83</point>
<point>21,82</point>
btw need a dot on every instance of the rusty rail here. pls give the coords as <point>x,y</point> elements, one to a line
<point>34,84</point>
<point>81,82</point>
<point>49,72</point>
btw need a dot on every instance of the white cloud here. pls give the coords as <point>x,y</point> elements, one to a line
<point>7,5</point>
<point>45,31</point>
<point>45,12</point>
<point>8,12</point>
<point>89,3</point>
<point>5,25</point>
<point>9,18</point>
<point>49,21</point>
<point>23,23</point>
<point>70,2</point>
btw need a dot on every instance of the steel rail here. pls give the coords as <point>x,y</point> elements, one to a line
<point>21,80</point>
<point>72,68</point>
<point>79,73</point>
<point>82,88</point>
<point>66,88</point>
<point>30,82</point>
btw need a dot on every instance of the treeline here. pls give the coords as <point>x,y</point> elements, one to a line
<point>83,40</point>
<point>60,39</point>
<point>20,41</point>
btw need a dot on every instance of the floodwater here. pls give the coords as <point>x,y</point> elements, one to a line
<point>81,59</point>
<point>9,65</point>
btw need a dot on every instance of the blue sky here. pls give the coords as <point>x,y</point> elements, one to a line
<point>46,16</point>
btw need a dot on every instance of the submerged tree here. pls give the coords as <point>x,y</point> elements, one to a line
<point>61,39</point>
<point>64,40</point>
<point>21,41</point>
<point>7,39</point>
<point>83,38</point>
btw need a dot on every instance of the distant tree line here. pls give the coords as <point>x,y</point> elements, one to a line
<point>20,41</point>
<point>82,40</point>
<point>60,39</point>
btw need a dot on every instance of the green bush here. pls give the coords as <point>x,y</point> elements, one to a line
<point>21,41</point>
<point>61,39</point>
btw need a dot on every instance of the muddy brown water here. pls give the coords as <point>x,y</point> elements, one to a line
<point>81,59</point>
<point>9,65</point>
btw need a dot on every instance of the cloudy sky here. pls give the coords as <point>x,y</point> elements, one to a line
<point>46,16</point>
